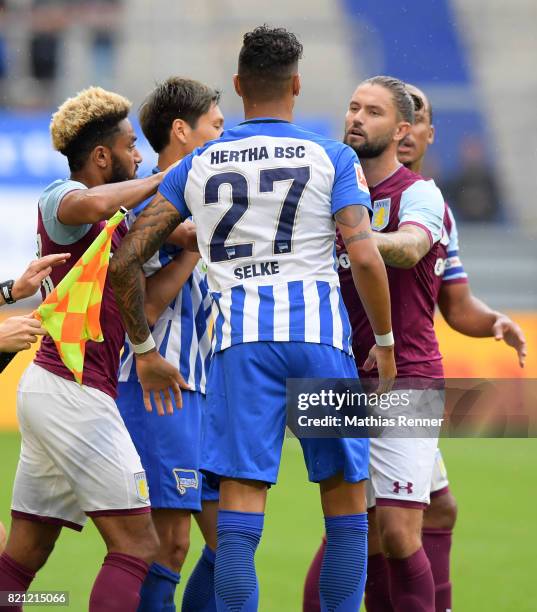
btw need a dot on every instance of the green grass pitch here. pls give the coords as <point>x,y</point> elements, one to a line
<point>495,482</point>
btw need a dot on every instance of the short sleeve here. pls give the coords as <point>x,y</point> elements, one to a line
<point>173,186</point>
<point>453,268</point>
<point>49,203</point>
<point>422,204</point>
<point>350,186</point>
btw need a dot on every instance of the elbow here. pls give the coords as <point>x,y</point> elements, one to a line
<point>411,259</point>
<point>365,262</point>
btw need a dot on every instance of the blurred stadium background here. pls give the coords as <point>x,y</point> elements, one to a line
<point>475,60</point>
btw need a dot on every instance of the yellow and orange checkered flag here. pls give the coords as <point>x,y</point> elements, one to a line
<point>71,313</point>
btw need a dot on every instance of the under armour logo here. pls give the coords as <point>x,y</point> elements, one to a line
<point>397,487</point>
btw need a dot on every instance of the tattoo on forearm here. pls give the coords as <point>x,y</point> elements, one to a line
<point>365,235</point>
<point>403,248</point>
<point>147,234</point>
<point>396,255</point>
<point>350,216</point>
<point>157,221</point>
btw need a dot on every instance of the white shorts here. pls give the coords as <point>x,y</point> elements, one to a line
<point>439,480</point>
<point>400,469</point>
<point>77,457</point>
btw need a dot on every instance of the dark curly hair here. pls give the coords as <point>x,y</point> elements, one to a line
<point>267,61</point>
<point>175,98</point>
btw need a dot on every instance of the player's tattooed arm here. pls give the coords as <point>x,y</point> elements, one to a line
<point>351,218</point>
<point>368,269</point>
<point>371,282</point>
<point>147,234</point>
<point>405,247</point>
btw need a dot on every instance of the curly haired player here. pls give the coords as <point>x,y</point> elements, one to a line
<point>77,458</point>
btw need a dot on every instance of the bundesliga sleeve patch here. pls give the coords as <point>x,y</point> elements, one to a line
<point>360,176</point>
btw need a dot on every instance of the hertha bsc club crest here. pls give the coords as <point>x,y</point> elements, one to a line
<point>185,479</point>
<point>381,214</point>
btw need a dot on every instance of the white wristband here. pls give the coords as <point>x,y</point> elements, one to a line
<point>147,345</point>
<point>385,339</point>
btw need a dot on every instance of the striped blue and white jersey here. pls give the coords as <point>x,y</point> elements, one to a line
<point>182,332</point>
<point>263,198</point>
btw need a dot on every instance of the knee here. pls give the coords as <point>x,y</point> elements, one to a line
<point>143,544</point>
<point>42,552</point>
<point>442,512</point>
<point>398,541</point>
<point>172,552</point>
<point>147,546</point>
<point>33,556</point>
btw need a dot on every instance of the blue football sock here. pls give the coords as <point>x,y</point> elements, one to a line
<point>343,572</point>
<point>158,590</point>
<point>235,579</point>
<point>199,591</point>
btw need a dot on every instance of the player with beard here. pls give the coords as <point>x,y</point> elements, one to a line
<point>468,315</point>
<point>77,458</point>
<point>407,223</point>
<point>407,220</point>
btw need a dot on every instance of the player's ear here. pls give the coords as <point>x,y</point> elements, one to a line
<point>403,128</point>
<point>296,84</point>
<point>181,130</point>
<point>430,138</point>
<point>237,84</point>
<point>101,157</point>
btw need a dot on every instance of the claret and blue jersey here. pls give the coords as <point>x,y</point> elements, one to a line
<point>263,198</point>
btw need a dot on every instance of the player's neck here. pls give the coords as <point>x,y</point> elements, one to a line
<point>415,166</point>
<point>376,169</point>
<point>88,177</point>
<point>277,110</point>
<point>169,156</point>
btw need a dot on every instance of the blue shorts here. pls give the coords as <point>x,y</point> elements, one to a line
<point>245,416</point>
<point>169,448</point>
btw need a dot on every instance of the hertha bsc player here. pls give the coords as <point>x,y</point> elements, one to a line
<point>176,117</point>
<point>77,458</point>
<point>266,198</point>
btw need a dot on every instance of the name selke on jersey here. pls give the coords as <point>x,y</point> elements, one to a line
<point>263,198</point>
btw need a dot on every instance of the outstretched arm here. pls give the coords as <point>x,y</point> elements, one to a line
<point>30,281</point>
<point>371,282</point>
<point>147,234</point>
<point>101,202</point>
<point>470,316</point>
